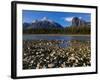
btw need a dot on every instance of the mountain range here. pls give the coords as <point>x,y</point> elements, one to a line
<point>44,23</point>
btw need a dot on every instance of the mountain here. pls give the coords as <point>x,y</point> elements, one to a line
<point>26,25</point>
<point>79,22</point>
<point>44,23</point>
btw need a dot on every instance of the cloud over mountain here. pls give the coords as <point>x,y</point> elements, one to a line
<point>69,19</point>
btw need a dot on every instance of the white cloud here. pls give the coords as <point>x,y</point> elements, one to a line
<point>80,17</point>
<point>44,18</point>
<point>69,19</point>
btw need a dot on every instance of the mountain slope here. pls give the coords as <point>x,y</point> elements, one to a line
<point>43,24</point>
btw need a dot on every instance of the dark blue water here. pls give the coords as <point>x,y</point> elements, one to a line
<point>55,37</point>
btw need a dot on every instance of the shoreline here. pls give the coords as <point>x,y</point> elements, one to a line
<point>60,34</point>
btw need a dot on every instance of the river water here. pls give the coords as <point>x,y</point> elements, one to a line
<point>55,37</point>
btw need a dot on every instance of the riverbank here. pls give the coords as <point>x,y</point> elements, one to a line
<point>39,54</point>
<point>59,34</point>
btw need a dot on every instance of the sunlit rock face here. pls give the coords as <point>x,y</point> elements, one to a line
<point>75,21</point>
<point>79,22</point>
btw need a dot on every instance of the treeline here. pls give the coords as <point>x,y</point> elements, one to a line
<point>67,30</point>
<point>78,30</point>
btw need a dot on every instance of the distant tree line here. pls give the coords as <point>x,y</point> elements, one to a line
<point>78,30</point>
<point>67,30</point>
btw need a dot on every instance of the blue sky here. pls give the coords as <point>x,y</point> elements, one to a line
<point>63,18</point>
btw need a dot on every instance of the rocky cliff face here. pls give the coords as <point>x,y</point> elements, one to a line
<point>79,22</point>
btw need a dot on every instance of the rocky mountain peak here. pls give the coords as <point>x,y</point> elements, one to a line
<point>44,23</point>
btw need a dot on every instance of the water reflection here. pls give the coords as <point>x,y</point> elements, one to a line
<point>54,37</point>
<point>63,38</point>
